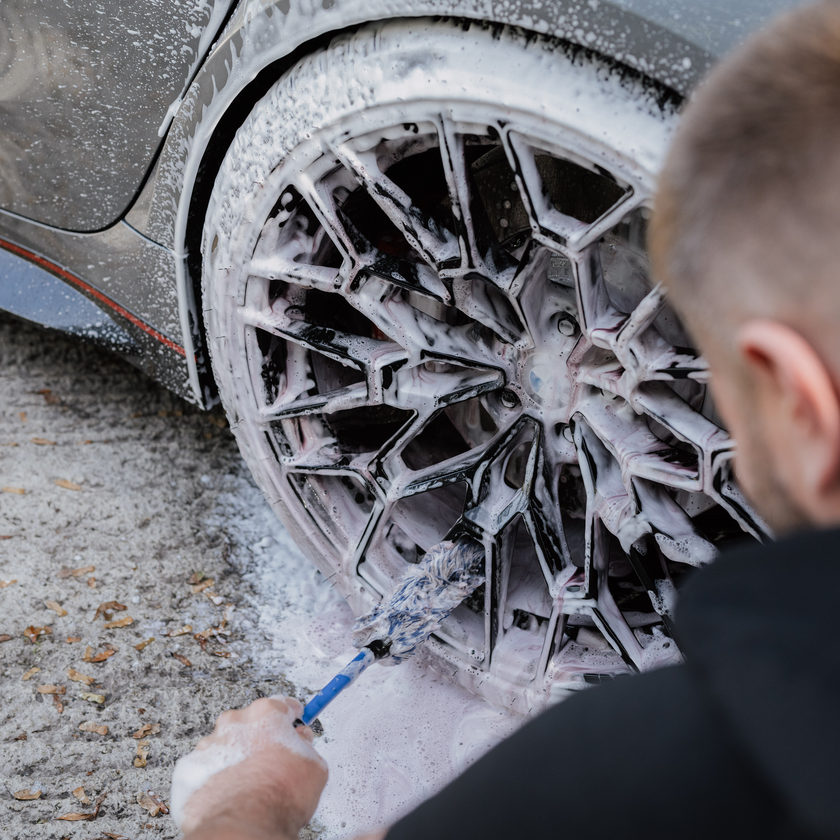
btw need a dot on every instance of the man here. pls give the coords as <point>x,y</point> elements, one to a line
<point>744,739</point>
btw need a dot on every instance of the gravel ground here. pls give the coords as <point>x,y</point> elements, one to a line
<point>109,484</point>
<point>120,504</point>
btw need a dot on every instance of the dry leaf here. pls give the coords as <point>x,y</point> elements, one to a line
<point>32,632</point>
<point>80,794</point>
<point>196,577</point>
<point>59,706</point>
<point>76,817</point>
<point>80,678</point>
<point>142,753</point>
<point>22,737</point>
<point>19,490</point>
<point>56,608</point>
<point>89,656</point>
<point>120,622</point>
<point>5,637</point>
<point>224,653</point>
<point>51,689</point>
<point>92,583</point>
<point>218,600</point>
<point>183,660</point>
<point>108,608</point>
<point>5,583</point>
<point>6,536</point>
<point>22,415</point>
<point>72,639</point>
<point>187,628</point>
<point>200,587</point>
<point>82,570</point>
<point>85,442</point>
<point>68,485</point>
<point>101,657</point>
<point>92,698</point>
<point>31,672</point>
<point>152,803</point>
<point>147,729</point>
<point>28,794</point>
<point>141,645</point>
<point>43,442</point>
<point>107,835</point>
<point>49,397</point>
<point>90,726</point>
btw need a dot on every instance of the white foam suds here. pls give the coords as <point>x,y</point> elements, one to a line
<point>398,734</point>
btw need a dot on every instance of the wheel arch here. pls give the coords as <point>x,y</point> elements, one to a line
<point>263,39</point>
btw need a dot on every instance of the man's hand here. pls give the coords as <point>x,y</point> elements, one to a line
<point>256,776</point>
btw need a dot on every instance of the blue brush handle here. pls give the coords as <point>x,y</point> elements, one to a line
<point>336,685</point>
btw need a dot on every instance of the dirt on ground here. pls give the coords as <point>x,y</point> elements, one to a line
<point>119,604</point>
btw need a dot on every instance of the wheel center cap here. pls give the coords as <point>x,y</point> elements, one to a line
<point>545,379</point>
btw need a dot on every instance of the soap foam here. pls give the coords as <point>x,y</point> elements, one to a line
<point>393,739</point>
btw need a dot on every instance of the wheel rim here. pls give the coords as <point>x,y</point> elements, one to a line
<point>449,329</point>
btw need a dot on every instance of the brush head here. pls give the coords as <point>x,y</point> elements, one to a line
<point>448,574</point>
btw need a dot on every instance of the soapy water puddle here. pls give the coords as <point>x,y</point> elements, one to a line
<point>395,737</point>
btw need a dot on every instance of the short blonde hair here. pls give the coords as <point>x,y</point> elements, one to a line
<point>748,209</point>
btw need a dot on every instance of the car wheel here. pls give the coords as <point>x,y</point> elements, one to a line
<point>429,313</point>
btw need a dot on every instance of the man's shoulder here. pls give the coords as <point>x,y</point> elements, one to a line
<point>762,641</point>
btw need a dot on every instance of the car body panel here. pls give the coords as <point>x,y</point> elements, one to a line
<point>143,264</point>
<point>124,275</point>
<point>86,92</point>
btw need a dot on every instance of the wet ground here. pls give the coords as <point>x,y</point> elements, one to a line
<point>132,512</point>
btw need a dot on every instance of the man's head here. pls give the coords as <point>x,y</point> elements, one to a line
<point>746,236</point>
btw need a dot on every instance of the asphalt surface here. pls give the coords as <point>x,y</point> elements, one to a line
<point>109,482</point>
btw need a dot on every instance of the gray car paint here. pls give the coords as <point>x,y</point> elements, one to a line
<point>672,42</point>
<point>84,88</point>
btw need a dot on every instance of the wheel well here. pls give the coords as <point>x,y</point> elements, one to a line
<point>236,115</point>
<point>208,169</point>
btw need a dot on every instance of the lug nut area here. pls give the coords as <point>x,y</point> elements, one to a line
<point>508,399</point>
<point>566,325</point>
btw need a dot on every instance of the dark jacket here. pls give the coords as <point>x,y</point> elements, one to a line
<point>742,741</point>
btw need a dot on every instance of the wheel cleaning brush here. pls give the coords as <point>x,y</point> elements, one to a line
<point>392,631</point>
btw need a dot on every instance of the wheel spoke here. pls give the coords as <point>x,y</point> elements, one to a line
<point>276,267</point>
<point>352,350</point>
<point>638,451</point>
<point>458,181</point>
<point>729,496</point>
<point>417,331</point>
<point>485,303</point>
<point>413,276</point>
<point>433,385</point>
<point>658,401</point>
<point>500,490</point>
<point>434,244</point>
<point>339,399</point>
<point>599,319</point>
<point>322,203</point>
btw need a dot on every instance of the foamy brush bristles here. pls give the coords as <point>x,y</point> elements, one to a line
<point>237,742</point>
<point>448,574</point>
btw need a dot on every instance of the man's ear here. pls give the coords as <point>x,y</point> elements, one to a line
<point>794,384</point>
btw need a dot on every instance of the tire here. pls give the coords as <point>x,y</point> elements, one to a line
<point>428,311</point>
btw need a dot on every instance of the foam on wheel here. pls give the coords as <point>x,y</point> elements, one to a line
<point>429,315</point>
